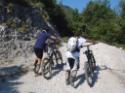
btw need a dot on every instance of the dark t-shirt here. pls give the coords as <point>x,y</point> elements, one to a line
<point>40,42</point>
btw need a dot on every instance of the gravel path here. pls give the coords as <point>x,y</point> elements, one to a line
<point>109,76</point>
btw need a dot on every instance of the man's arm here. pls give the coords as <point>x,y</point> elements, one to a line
<point>89,42</point>
<point>55,39</point>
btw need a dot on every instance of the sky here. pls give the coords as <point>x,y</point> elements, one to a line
<point>81,4</point>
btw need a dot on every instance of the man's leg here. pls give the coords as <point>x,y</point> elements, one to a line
<point>39,70</point>
<point>67,77</point>
<point>37,65</point>
<point>73,77</point>
<point>39,58</point>
<point>36,61</point>
<point>74,72</point>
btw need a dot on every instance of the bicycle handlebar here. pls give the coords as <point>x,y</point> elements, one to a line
<point>88,44</point>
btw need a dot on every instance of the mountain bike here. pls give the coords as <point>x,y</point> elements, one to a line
<point>89,66</point>
<point>53,57</point>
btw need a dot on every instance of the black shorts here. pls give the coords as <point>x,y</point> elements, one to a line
<point>38,52</point>
<point>72,62</point>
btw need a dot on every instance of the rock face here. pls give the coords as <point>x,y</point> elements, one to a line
<point>19,27</point>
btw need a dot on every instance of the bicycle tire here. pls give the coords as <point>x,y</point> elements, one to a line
<point>59,59</point>
<point>46,68</point>
<point>54,57</point>
<point>93,62</point>
<point>88,74</point>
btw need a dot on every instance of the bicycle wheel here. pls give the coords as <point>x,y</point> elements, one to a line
<point>59,59</point>
<point>46,68</point>
<point>88,74</point>
<point>54,57</point>
<point>93,62</point>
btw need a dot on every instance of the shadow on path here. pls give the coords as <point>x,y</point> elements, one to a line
<point>57,69</point>
<point>96,73</point>
<point>8,79</point>
<point>80,78</point>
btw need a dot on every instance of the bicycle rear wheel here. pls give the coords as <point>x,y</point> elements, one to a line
<point>54,58</point>
<point>47,68</point>
<point>57,57</point>
<point>88,74</point>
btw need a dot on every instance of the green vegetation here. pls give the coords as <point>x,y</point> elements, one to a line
<point>98,21</point>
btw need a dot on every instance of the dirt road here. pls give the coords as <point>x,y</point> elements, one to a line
<point>109,75</point>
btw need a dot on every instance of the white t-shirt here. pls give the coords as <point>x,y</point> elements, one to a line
<point>72,43</point>
<point>81,41</point>
<point>72,55</point>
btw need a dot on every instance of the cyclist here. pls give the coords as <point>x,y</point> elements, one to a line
<point>40,45</point>
<point>73,51</point>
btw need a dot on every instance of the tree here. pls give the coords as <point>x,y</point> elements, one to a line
<point>101,21</point>
<point>122,22</point>
<point>122,5</point>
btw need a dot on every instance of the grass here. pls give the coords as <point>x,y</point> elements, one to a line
<point>120,45</point>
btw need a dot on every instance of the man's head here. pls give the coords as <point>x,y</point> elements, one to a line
<point>45,30</point>
<point>77,33</point>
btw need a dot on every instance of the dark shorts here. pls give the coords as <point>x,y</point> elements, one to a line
<point>71,62</point>
<point>38,52</point>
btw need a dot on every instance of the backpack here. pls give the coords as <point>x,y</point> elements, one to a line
<point>72,44</point>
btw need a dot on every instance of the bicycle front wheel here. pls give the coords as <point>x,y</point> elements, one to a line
<point>57,57</point>
<point>93,62</point>
<point>47,68</point>
<point>88,74</point>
